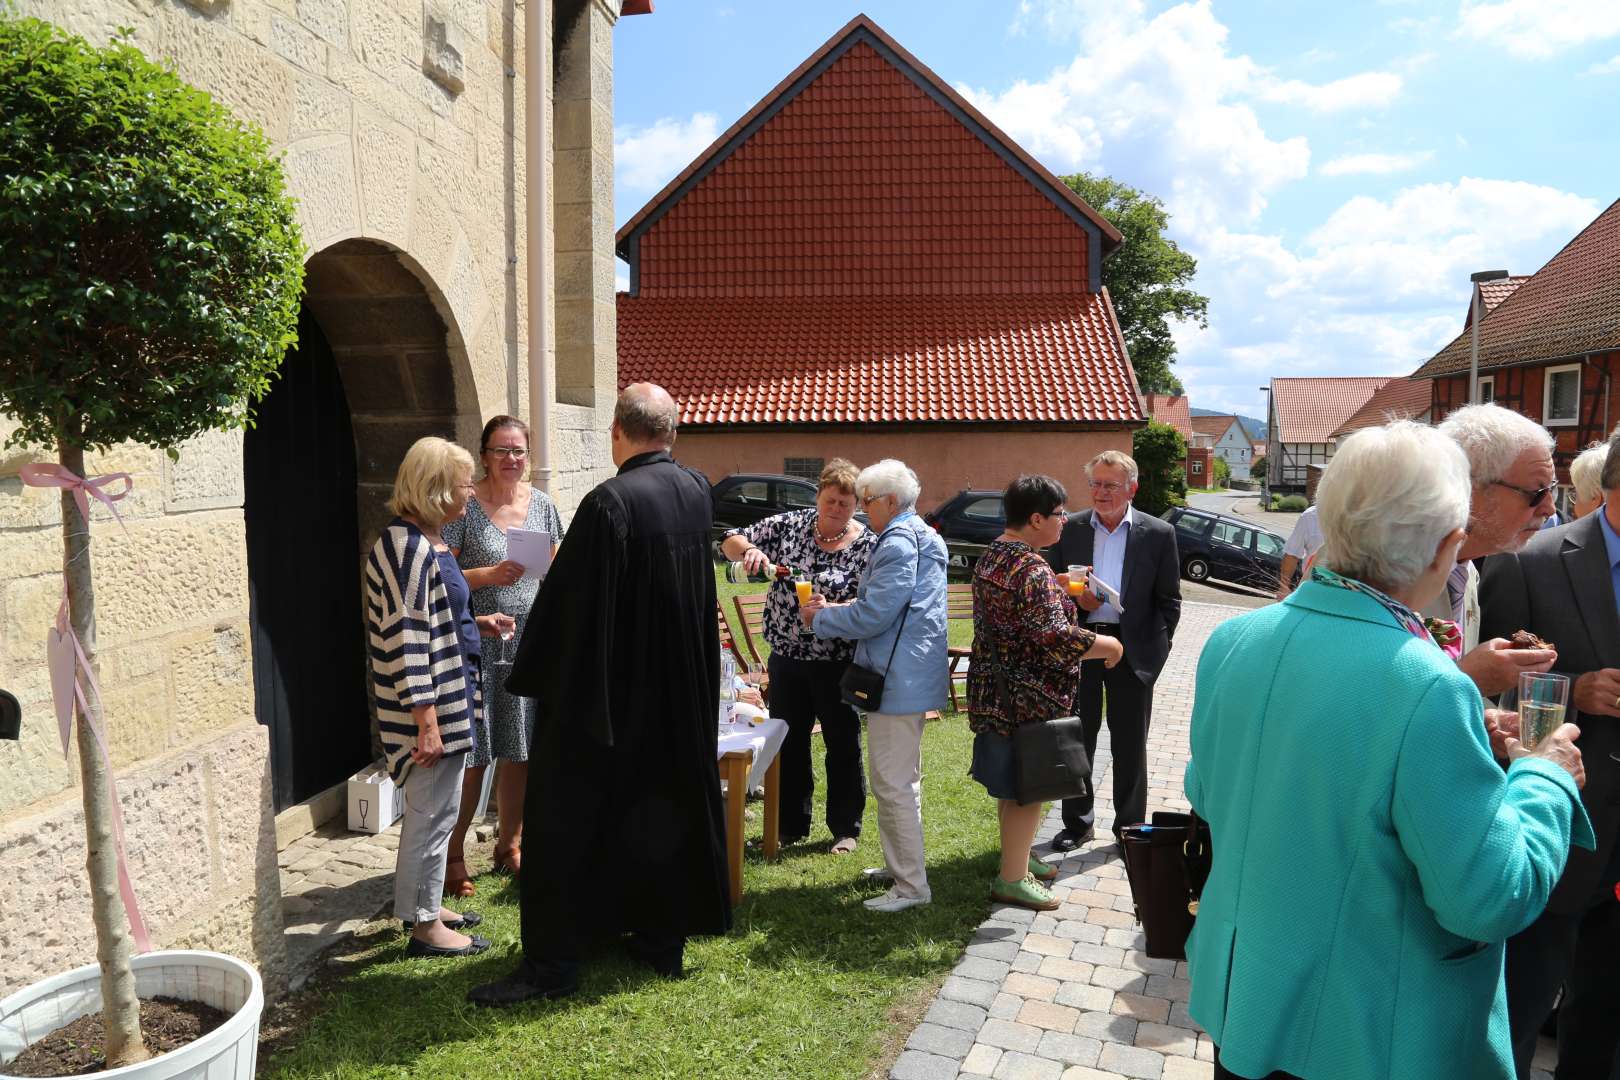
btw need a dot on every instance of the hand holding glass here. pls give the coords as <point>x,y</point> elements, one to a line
<point>1543,697</point>
<point>1077,579</point>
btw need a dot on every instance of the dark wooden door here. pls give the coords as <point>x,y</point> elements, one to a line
<point>304,592</point>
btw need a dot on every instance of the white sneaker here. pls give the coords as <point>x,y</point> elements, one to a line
<point>895,900</point>
<point>877,873</point>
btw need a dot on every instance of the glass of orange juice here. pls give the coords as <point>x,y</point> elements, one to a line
<point>803,587</point>
<point>1077,579</point>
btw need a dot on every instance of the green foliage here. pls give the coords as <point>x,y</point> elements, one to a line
<point>152,264</point>
<point>1292,503</point>
<point>1148,278</point>
<point>1160,454</point>
<point>1223,472</point>
<point>1257,468</point>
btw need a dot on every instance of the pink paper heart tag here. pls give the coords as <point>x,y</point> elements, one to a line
<point>59,655</point>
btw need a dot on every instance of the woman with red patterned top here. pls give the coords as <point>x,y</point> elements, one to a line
<point>1027,647</point>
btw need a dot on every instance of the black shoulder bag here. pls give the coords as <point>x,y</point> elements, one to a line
<point>1167,863</point>
<point>862,687</point>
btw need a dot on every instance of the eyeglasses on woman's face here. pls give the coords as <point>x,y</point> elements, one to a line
<point>516,453</point>
<point>870,499</point>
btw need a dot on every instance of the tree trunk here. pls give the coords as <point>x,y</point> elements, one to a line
<point>121,1009</point>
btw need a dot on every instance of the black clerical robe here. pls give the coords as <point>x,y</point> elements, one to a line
<point>622,654</point>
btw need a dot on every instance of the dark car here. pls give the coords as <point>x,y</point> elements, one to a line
<point>1227,548</point>
<point>968,521</point>
<point>745,498</point>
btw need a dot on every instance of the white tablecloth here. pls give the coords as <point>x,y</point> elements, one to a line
<point>765,740</point>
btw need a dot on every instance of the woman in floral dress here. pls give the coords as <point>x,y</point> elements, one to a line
<point>503,500</point>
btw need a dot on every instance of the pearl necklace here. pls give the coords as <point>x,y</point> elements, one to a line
<point>832,539</point>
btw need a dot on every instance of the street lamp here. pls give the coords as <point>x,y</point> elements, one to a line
<point>1265,477</point>
<point>1473,323</point>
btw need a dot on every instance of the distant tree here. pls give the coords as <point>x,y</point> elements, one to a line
<point>1160,454</point>
<point>1257,469</point>
<point>1147,276</point>
<point>1223,472</point>
<point>148,293</point>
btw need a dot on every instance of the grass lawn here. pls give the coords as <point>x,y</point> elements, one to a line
<point>809,984</point>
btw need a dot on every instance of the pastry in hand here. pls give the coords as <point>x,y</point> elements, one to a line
<point>1524,639</point>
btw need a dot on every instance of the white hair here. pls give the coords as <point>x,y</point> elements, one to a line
<point>1387,499</point>
<point>890,477</point>
<point>1586,471</point>
<point>1493,438</point>
<point>1118,460</point>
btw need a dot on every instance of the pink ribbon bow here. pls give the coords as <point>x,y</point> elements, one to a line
<point>66,658</point>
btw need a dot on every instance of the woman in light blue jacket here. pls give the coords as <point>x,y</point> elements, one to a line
<point>897,622</point>
<point>1370,856</point>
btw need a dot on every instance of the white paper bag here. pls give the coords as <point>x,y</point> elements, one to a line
<point>375,802</point>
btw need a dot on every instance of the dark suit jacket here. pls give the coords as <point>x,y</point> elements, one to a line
<point>1560,588</point>
<point>1151,591</point>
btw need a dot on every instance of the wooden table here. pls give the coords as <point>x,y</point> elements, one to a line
<point>734,766</point>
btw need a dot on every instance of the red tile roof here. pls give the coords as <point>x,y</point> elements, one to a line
<point>1216,425</point>
<point>1568,308</point>
<point>1398,399</point>
<point>1171,409</point>
<point>864,245</point>
<point>1492,293</point>
<point>1310,410</point>
<point>885,359</point>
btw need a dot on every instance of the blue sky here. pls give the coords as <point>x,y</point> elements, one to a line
<point>1337,169</point>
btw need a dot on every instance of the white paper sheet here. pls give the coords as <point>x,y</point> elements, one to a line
<point>1106,591</point>
<point>532,548</point>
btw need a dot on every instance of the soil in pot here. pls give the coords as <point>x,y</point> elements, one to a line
<point>75,1050</point>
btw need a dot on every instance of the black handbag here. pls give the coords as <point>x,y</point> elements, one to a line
<point>1050,761</point>
<point>1167,862</point>
<point>861,686</point>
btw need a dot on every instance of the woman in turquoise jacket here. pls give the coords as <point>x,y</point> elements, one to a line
<point>1370,855</point>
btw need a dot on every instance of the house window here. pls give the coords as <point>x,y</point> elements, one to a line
<point>807,467</point>
<point>1198,467</point>
<point>1561,399</point>
<point>1487,389</point>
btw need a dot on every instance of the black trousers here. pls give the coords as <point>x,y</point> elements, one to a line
<point>1130,709</point>
<point>1221,1072</point>
<point>802,692</point>
<point>1581,953</point>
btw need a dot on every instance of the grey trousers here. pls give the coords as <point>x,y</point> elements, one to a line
<point>432,802</point>
<point>894,758</point>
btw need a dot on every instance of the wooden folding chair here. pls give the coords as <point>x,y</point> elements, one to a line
<point>751,618</point>
<point>958,605</point>
<point>728,640</point>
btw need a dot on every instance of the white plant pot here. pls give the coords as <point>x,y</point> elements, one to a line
<point>229,1052</point>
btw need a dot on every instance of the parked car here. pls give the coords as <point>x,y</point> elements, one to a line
<point>1226,548</point>
<point>744,498</point>
<point>968,521</point>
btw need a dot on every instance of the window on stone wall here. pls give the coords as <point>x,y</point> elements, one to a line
<point>807,467</point>
<point>1562,402</point>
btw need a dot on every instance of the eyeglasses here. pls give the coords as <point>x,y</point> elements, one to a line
<point>1108,487</point>
<point>469,486</point>
<point>870,499</point>
<point>515,452</point>
<point>1532,497</point>
<point>1060,512</point>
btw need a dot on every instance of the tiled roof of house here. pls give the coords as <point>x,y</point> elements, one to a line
<point>1398,399</point>
<point>864,171</point>
<point>1310,410</point>
<point>1171,409</point>
<point>1492,293</point>
<point>863,245</point>
<point>1214,425</point>
<point>1568,308</point>
<point>884,359</point>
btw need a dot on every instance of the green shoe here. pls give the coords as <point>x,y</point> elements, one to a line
<point>1028,893</point>
<point>1041,871</point>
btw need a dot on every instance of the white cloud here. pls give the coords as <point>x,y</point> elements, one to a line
<point>1374,164</point>
<point>647,158</point>
<point>1537,29</point>
<point>1610,66</point>
<point>1375,289</point>
<point>1370,89</point>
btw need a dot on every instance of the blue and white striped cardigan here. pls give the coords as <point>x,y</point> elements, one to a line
<point>416,653</point>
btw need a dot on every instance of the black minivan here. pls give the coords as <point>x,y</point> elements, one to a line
<point>1227,548</point>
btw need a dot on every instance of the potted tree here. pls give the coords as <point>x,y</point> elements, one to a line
<point>149,291</point>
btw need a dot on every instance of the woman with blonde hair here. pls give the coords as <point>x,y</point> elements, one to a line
<point>424,646</point>
<point>1586,477</point>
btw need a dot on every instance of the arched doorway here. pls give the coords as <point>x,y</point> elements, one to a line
<point>370,375</point>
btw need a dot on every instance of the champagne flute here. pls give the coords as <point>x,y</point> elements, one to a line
<point>506,635</point>
<point>803,587</point>
<point>1543,696</point>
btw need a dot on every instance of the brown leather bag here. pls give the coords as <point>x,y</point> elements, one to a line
<point>1167,861</point>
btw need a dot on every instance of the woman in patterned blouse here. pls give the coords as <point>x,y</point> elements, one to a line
<point>828,544</point>
<point>1027,647</point>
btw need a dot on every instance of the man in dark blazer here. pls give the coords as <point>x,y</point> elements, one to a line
<point>1135,554</point>
<point>1565,587</point>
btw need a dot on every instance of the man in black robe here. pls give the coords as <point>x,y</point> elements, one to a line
<point>622,654</point>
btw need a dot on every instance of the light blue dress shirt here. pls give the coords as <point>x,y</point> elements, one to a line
<point>1611,541</point>
<point>1108,560</point>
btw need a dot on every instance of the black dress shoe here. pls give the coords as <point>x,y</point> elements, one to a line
<point>474,946</point>
<point>468,920</point>
<point>1069,839</point>
<point>666,957</point>
<point>530,982</point>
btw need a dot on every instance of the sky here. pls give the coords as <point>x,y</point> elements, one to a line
<point>1338,170</point>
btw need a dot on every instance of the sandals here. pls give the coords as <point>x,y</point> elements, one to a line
<point>844,845</point>
<point>457,884</point>
<point>508,860</point>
